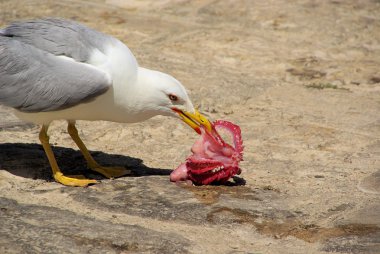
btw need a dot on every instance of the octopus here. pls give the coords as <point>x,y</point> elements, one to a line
<point>213,161</point>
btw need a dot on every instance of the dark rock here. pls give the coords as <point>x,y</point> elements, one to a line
<point>42,229</point>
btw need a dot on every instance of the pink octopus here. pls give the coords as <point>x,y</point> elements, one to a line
<point>213,160</point>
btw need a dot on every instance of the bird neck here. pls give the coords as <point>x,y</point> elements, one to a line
<point>133,96</point>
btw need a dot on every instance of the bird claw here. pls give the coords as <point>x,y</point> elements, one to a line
<point>110,172</point>
<point>73,180</point>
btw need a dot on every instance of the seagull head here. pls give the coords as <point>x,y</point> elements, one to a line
<point>167,96</point>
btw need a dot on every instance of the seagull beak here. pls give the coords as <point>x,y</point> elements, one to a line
<point>195,120</point>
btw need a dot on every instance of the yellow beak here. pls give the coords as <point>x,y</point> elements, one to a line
<point>195,120</point>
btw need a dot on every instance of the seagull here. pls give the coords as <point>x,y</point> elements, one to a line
<point>54,69</point>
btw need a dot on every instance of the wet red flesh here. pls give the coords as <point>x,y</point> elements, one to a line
<point>213,160</point>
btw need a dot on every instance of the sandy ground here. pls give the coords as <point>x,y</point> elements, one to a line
<point>302,80</point>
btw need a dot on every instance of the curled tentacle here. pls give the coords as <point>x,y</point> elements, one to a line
<point>213,160</point>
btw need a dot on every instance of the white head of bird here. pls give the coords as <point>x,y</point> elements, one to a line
<point>162,94</point>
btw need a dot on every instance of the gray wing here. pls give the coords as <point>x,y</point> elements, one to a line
<point>58,37</point>
<point>33,80</point>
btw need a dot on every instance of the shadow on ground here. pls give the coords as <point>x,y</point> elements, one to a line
<point>29,161</point>
<point>155,198</point>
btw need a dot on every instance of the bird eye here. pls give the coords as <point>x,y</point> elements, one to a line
<point>172,97</point>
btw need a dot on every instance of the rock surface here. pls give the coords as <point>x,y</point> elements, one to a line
<point>301,78</point>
